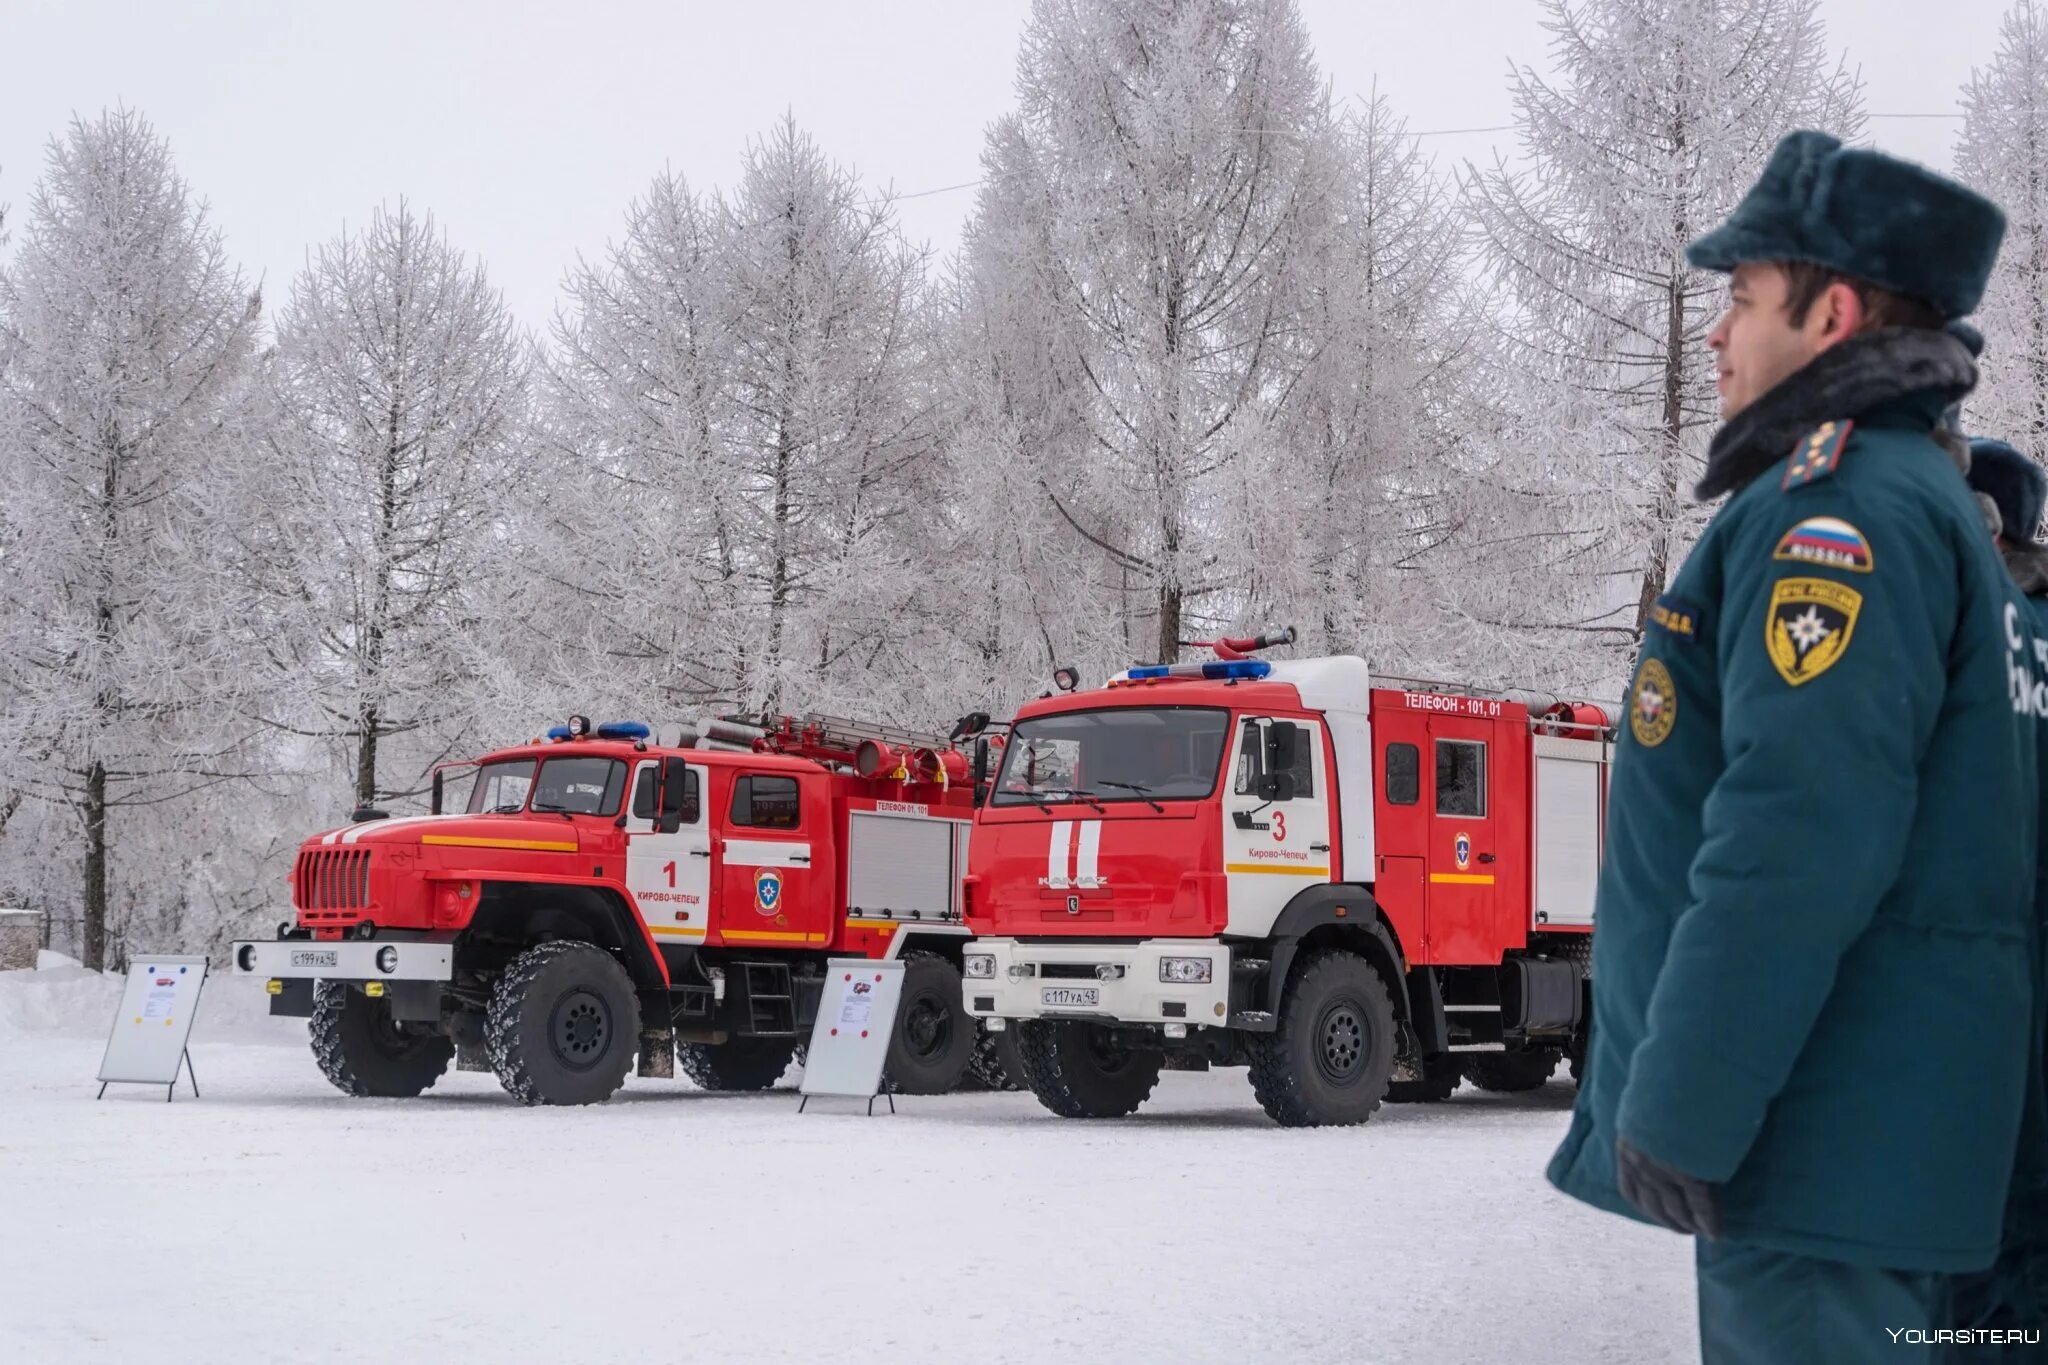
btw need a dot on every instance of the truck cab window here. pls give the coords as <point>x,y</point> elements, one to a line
<point>1460,778</point>
<point>760,801</point>
<point>1404,774</point>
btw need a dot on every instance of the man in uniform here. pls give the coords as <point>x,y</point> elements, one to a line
<point>1820,849</point>
<point>2005,1310</point>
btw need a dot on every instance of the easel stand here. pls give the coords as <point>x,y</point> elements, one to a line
<point>171,1090</point>
<point>885,1095</point>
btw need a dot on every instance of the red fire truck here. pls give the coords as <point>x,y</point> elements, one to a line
<point>597,894</point>
<point>1361,889</point>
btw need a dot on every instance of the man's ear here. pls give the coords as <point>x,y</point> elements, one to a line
<point>1839,315</point>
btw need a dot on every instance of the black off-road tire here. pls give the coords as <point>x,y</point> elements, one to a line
<point>1078,1073</point>
<point>934,1037</point>
<point>563,1025</point>
<point>996,1064</point>
<point>1330,1060</point>
<point>1510,1073</point>
<point>739,1064</point>
<point>366,1052</point>
<point>1440,1076</point>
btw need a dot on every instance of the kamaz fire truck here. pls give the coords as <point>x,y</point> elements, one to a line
<point>596,895</point>
<point>1360,890</point>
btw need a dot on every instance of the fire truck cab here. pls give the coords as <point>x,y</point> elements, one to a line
<point>593,896</point>
<point>1361,892</point>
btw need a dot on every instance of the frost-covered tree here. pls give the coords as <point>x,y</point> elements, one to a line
<point>398,391</point>
<point>738,404</point>
<point>125,333</point>
<point>1655,118</point>
<point>2003,151</point>
<point>1164,183</point>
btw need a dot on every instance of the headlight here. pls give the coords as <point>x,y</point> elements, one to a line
<point>1186,971</point>
<point>978,966</point>
<point>387,959</point>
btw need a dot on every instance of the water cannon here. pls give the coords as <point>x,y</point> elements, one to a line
<point>873,758</point>
<point>938,767</point>
<point>1234,647</point>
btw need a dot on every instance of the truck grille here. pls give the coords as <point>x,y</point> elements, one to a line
<point>332,884</point>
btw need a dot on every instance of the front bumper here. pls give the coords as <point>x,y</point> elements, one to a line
<point>1026,970</point>
<point>295,959</point>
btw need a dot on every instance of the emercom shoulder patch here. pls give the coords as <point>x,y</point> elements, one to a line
<point>1817,454</point>
<point>1652,704</point>
<point>1808,626</point>
<point>1827,541</point>
<point>1675,614</point>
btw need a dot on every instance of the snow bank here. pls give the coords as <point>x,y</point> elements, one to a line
<point>60,999</point>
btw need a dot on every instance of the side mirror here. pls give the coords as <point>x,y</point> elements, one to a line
<point>675,806</point>
<point>1282,747</point>
<point>1276,786</point>
<point>981,770</point>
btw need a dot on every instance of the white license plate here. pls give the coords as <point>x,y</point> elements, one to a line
<point>1071,995</point>
<point>303,958</point>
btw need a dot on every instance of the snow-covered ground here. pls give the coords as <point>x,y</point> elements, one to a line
<point>275,1219</point>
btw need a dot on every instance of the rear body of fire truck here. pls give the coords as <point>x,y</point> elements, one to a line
<point>598,898</point>
<point>1361,892</point>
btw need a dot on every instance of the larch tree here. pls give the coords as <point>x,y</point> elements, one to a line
<point>398,401</point>
<point>1174,166</point>
<point>125,338</point>
<point>2003,152</point>
<point>1657,116</point>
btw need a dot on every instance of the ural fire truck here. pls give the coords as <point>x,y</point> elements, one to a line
<point>594,895</point>
<point>1360,891</point>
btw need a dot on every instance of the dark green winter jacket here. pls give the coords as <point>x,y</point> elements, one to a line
<point>1813,912</point>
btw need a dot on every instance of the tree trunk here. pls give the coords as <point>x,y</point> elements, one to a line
<point>93,945</point>
<point>366,758</point>
<point>1169,623</point>
<point>1670,452</point>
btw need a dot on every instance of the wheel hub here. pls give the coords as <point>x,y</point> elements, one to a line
<point>1341,1043</point>
<point>927,1027</point>
<point>580,1030</point>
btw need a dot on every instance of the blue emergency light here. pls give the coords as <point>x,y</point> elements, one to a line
<point>623,729</point>
<point>1216,670</point>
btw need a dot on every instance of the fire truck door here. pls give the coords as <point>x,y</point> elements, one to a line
<point>1276,820</point>
<point>769,892</point>
<point>669,871</point>
<point>1462,848</point>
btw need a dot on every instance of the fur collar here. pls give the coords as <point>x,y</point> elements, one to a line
<point>1843,381</point>
<point>2028,565</point>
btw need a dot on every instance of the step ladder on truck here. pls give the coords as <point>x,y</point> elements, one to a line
<point>1361,889</point>
<point>602,894</point>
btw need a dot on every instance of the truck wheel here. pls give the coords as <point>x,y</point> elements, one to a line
<point>364,1051</point>
<point>1079,1072</point>
<point>996,1064</point>
<point>1509,1073</point>
<point>1331,1058</point>
<point>1440,1077</point>
<point>563,1025</point>
<point>737,1063</point>
<point>934,1037</point>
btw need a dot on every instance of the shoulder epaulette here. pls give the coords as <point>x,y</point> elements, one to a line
<point>1817,454</point>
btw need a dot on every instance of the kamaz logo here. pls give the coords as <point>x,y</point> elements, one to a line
<point>1073,905</point>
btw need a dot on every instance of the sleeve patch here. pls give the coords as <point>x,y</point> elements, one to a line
<point>1817,454</point>
<point>1827,541</point>
<point>1808,626</point>
<point>1676,615</point>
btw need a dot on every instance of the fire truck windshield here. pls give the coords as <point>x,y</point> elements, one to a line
<point>569,786</point>
<point>1165,753</point>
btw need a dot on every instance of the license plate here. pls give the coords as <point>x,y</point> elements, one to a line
<point>1071,995</point>
<point>303,958</point>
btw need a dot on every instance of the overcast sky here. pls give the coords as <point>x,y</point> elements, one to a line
<point>525,128</point>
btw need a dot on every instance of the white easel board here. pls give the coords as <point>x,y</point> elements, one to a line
<point>147,1044</point>
<point>856,1019</point>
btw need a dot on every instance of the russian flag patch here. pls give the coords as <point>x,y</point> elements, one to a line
<point>1828,542</point>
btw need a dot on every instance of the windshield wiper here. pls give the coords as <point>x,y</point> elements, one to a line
<point>562,811</point>
<point>1081,793</point>
<point>512,809</point>
<point>1144,793</point>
